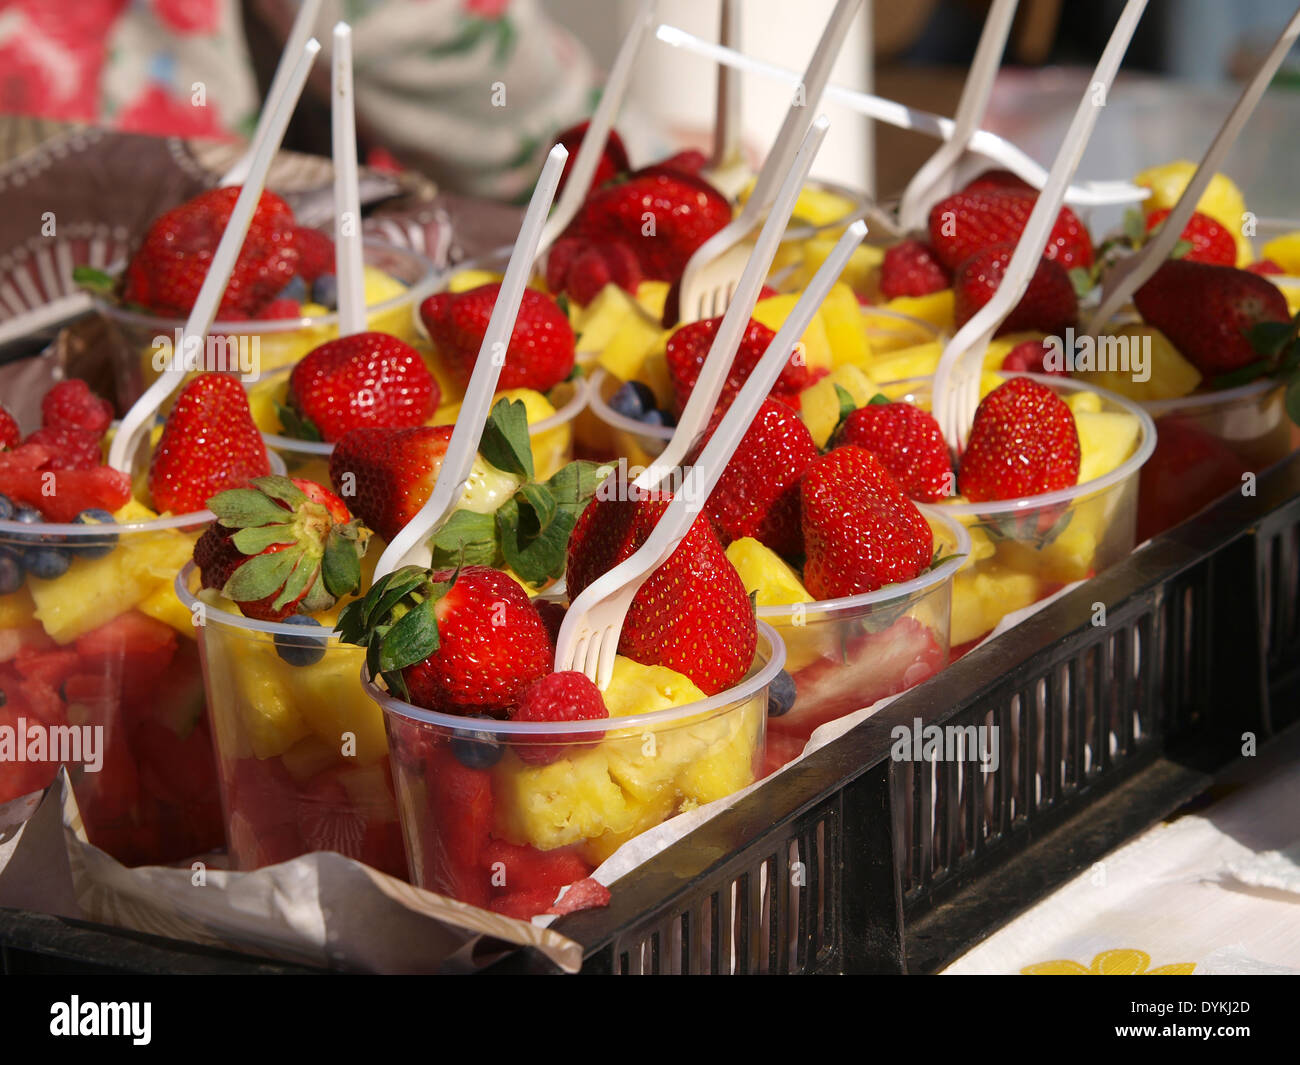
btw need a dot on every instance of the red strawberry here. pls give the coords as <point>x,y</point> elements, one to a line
<point>564,696</point>
<point>758,493</point>
<point>490,644</point>
<point>910,268</point>
<point>70,448</point>
<point>167,270</point>
<point>1210,242</point>
<point>72,405</point>
<point>690,161</point>
<point>688,348</point>
<point>1023,443</point>
<point>1205,311</point>
<point>274,566</point>
<point>581,268</point>
<point>388,474</point>
<point>968,222</point>
<point>613,160</point>
<point>663,216</point>
<point>1264,267</point>
<point>68,493</point>
<point>1189,469</point>
<point>209,444</point>
<point>364,379</point>
<point>1000,179</point>
<point>541,349</point>
<point>692,614</point>
<point>315,253</point>
<point>280,310</point>
<point>1030,356</point>
<point>1048,305</point>
<point>908,443</point>
<point>9,431</point>
<point>860,531</point>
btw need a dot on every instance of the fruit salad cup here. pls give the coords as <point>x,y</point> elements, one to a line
<point>1023,550</point>
<point>502,814</point>
<point>301,752</point>
<point>94,640</point>
<point>845,654</point>
<point>551,418</point>
<point>395,281</point>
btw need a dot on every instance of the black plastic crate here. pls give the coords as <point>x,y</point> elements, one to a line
<point>854,862</point>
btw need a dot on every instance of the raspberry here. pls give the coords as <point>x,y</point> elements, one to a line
<point>72,405</point>
<point>1028,357</point>
<point>566,696</point>
<point>315,253</point>
<point>9,434</point>
<point>70,448</point>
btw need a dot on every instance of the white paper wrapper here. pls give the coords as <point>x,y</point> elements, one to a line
<point>322,909</point>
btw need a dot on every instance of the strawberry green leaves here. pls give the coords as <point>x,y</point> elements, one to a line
<point>396,622</point>
<point>296,424</point>
<point>505,442</point>
<point>535,525</point>
<point>1279,344</point>
<point>467,539</point>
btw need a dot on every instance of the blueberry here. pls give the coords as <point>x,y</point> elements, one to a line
<point>300,650</point>
<point>632,400</point>
<point>295,290</point>
<point>780,694</point>
<point>325,291</point>
<point>11,572</point>
<point>6,508</point>
<point>46,563</point>
<point>655,417</point>
<point>26,516</point>
<point>475,749</point>
<point>96,546</point>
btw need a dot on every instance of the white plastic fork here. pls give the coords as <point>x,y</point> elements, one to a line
<point>589,634</point>
<point>955,393</point>
<point>727,171</point>
<point>1131,272</point>
<point>937,176</point>
<point>708,386</point>
<point>602,121</point>
<point>135,425</point>
<point>410,547</point>
<point>984,143</point>
<point>349,268</point>
<point>714,268</point>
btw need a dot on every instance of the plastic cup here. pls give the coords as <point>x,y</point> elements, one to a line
<point>551,437</point>
<point>845,654</point>
<point>1023,550</point>
<point>280,342</point>
<point>503,814</point>
<point>301,753</point>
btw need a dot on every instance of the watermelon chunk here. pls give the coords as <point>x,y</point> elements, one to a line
<point>60,495</point>
<point>525,868</point>
<point>456,828</point>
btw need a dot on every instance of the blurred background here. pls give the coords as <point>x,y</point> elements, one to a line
<point>425,69</point>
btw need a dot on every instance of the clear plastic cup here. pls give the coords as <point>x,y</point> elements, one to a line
<point>487,823</point>
<point>302,758</point>
<point>1023,550</point>
<point>845,654</point>
<point>106,646</point>
<point>551,437</point>
<point>275,343</point>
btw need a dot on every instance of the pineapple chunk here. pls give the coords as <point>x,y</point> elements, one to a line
<point>1171,376</point>
<point>982,596</point>
<point>163,605</point>
<point>1082,402</point>
<point>329,699</point>
<point>464,280</point>
<point>635,340</point>
<point>398,321</point>
<point>935,308</point>
<point>1285,251</point>
<point>1221,200</point>
<point>921,360</point>
<point>1106,439</point>
<point>262,398</point>
<point>653,296</point>
<point>641,816</point>
<point>654,372</point>
<point>728,766</point>
<point>819,403</point>
<point>269,713</point>
<point>603,317</point>
<point>568,801</point>
<point>816,206</point>
<point>842,316</point>
<point>764,572</point>
<point>860,273</point>
<point>17,610</point>
<point>773,312</point>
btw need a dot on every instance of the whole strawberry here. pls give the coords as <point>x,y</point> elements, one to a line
<point>1206,311</point>
<point>387,475</point>
<point>582,268</point>
<point>613,160</point>
<point>565,696</point>
<point>692,614</point>
<point>1210,241</point>
<point>367,379</point>
<point>860,531</point>
<point>999,179</point>
<point>909,444</point>
<point>167,270</point>
<point>758,493</point>
<point>315,253</point>
<point>281,546</point>
<point>464,641</point>
<point>209,443</point>
<point>1049,303</point>
<point>1023,443</point>
<point>910,268</point>
<point>970,221</point>
<point>541,349</point>
<point>662,215</point>
<point>688,348</point>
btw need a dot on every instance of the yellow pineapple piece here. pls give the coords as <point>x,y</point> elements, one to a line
<point>935,308</point>
<point>570,800</point>
<point>819,403</point>
<point>163,605</point>
<point>17,610</point>
<point>640,817</point>
<point>920,360</point>
<point>1221,200</point>
<point>464,280</point>
<point>329,698</point>
<point>1106,440</point>
<point>399,320</point>
<point>842,316</point>
<point>764,572</point>
<point>860,272</point>
<point>603,317</point>
<point>269,713</point>
<point>1285,251</point>
<point>729,765</point>
<point>262,398</point>
<point>773,312</point>
<point>635,339</point>
<point>1170,375</point>
<point>654,372</point>
<point>816,206</point>
<point>653,295</point>
<point>308,757</point>
<point>983,595</point>
<point>1082,402</point>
